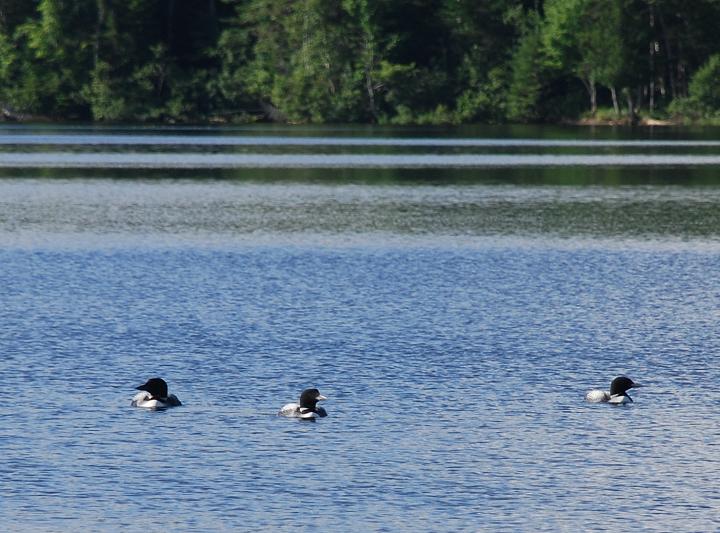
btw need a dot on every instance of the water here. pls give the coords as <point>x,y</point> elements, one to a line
<point>454,318</point>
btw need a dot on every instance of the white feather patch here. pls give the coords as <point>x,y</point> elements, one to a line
<point>620,399</point>
<point>597,396</point>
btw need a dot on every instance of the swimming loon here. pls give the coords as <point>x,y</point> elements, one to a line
<point>307,406</point>
<point>155,395</point>
<point>618,392</point>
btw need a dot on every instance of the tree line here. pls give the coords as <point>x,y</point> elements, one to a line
<point>359,61</point>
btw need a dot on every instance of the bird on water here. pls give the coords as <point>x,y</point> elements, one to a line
<point>618,392</point>
<point>154,395</point>
<point>306,407</point>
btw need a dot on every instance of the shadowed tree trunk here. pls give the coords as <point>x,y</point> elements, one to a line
<point>616,106</point>
<point>591,87</point>
<point>101,14</point>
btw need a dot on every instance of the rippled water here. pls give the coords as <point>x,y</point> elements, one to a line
<point>134,160</point>
<point>454,322</point>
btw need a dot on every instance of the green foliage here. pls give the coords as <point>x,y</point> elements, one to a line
<point>106,101</point>
<point>584,37</point>
<point>415,62</point>
<point>684,109</point>
<point>52,63</point>
<point>703,102</point>
<point>705,89</point>
<point>486,102</point>
<point>235,84</point>
<point>528,63</point>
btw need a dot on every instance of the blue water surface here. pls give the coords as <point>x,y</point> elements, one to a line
<point>454,317</point>
<point>455,381</point>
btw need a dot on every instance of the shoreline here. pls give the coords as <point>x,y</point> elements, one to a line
<point>642,121</point>
<point>7,117</point>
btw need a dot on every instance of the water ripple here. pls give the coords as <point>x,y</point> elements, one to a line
<point>280,161</point>
<point>283,140</point>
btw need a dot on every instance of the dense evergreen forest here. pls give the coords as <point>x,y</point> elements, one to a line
<point>363,61</point>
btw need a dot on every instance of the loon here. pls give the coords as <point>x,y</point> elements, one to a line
<point>307,406</point>
<point>155,395</point>
<point>618,392</point>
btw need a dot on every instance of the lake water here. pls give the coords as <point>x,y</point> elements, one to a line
<point>453,293</point>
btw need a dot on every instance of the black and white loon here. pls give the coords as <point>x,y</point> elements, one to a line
<point>618,392</point>
<point>306,407</point>
<point>155,395</point>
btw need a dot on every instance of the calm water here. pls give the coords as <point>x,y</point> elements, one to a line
<point>454,317</point>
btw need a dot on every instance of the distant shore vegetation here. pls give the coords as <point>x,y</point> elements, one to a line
<point>361,61</point>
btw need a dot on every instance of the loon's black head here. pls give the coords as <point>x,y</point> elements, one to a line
<point>621,384</point>
<point>309,399</point>
<point>157,388</point>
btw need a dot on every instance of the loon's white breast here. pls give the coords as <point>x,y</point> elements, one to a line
<point>620,399</point>
<point>293,410</point>
<point>145,399</point>
<point>598,396</point>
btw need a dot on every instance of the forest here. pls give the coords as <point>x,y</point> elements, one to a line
<point>360,61</point>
